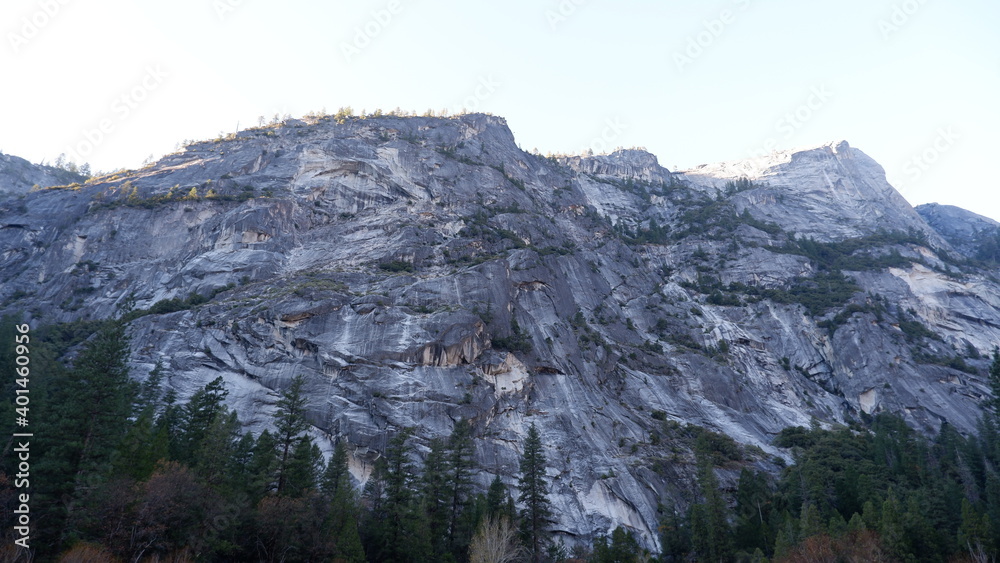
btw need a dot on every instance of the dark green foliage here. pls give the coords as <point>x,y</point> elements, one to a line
<point>447,493</point>
<point>622,548</point>
<point>754,513</point>
<point>988,246</point>
<point>992,405</point>
<point>196,417</point>
<point>396,528</point>
<point>460,468</point>
<point>653,233</point>
<point>263,466</point>
<point>499,503</point>
<point>953,362</point>
<point>134,471</point>
<point>820,293</point>
<point>768,227</point>
<point>534,495</point>
<point>218,447</point>
<point>717,448</point>
<point>290,423</point>
<point>856,254</point>
<point>80,426</point>
<point>914,330</point>
<point>397,266</point>
<point>675,536</point>
<point>436,497</point>
<point>719,298</point>
<point>877,489</point>
<point>304,468</point>
<point>517,341</point>
<point>876,307</point>
<point>710,531</point>
<point>141,448</point>
<point>175,304</point>
<point>343,518</point>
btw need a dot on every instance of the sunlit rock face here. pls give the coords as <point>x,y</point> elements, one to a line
<point>18,176</point>
<point>420,271</point>
<point>964,230</point>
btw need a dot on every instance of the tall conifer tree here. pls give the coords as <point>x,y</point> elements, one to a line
<point>534,495</point>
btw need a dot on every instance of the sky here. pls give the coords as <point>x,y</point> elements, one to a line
<point>912,83</point>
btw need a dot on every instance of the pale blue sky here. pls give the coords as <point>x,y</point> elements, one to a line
<point>693,82</point>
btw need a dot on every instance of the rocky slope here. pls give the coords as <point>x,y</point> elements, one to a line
<point>18,176</point>
<point>962,229</point>
<point>425,270</point>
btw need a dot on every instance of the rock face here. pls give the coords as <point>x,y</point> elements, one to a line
<point>830,192</point>
<point>18,176</point>
<point>420,271</point>
<point>962,229</point>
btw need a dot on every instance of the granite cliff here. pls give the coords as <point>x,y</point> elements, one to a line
<point>420,271</point>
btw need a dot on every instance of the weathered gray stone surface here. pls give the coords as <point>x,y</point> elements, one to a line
<point>961,228</point>
<point>389,259</point>
<point>18,176</point>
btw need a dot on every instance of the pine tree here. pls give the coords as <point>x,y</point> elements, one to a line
<point>534,495</point>
<point>675,536</point>
<point>974,530</point>
<point>343,520</point>
<point>396,529</point>
<point>436,496</point>
<point>336,475</point>
<point>810,521</point>
<point>459,465</point>
<point>304,468</point>
<point>144,444</point>
<point>168,424</point>
<point>623,548</point>
<point>197,416</point>
<point>499,501</point>
<point>140,450</point>
<point>709,524</point>
<point>150,395</point>
<point>213,457</point>
<point>290,422</point>
<point>262,467</point>
<point>992,406</point>
<point>753,511</point>
<point>84,422</point>
<point>891,527</point>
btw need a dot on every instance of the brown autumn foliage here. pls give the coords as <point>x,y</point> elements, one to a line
<point>156,519</point>
<point>862,546</point>
<point>285,524</point>
<point>88,553</point>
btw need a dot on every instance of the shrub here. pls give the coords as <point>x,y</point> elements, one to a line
<point>397,266</point>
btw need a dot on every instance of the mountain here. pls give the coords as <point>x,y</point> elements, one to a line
<point>18,176</point>
<point>422,270</point>
<point>964,230</point>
